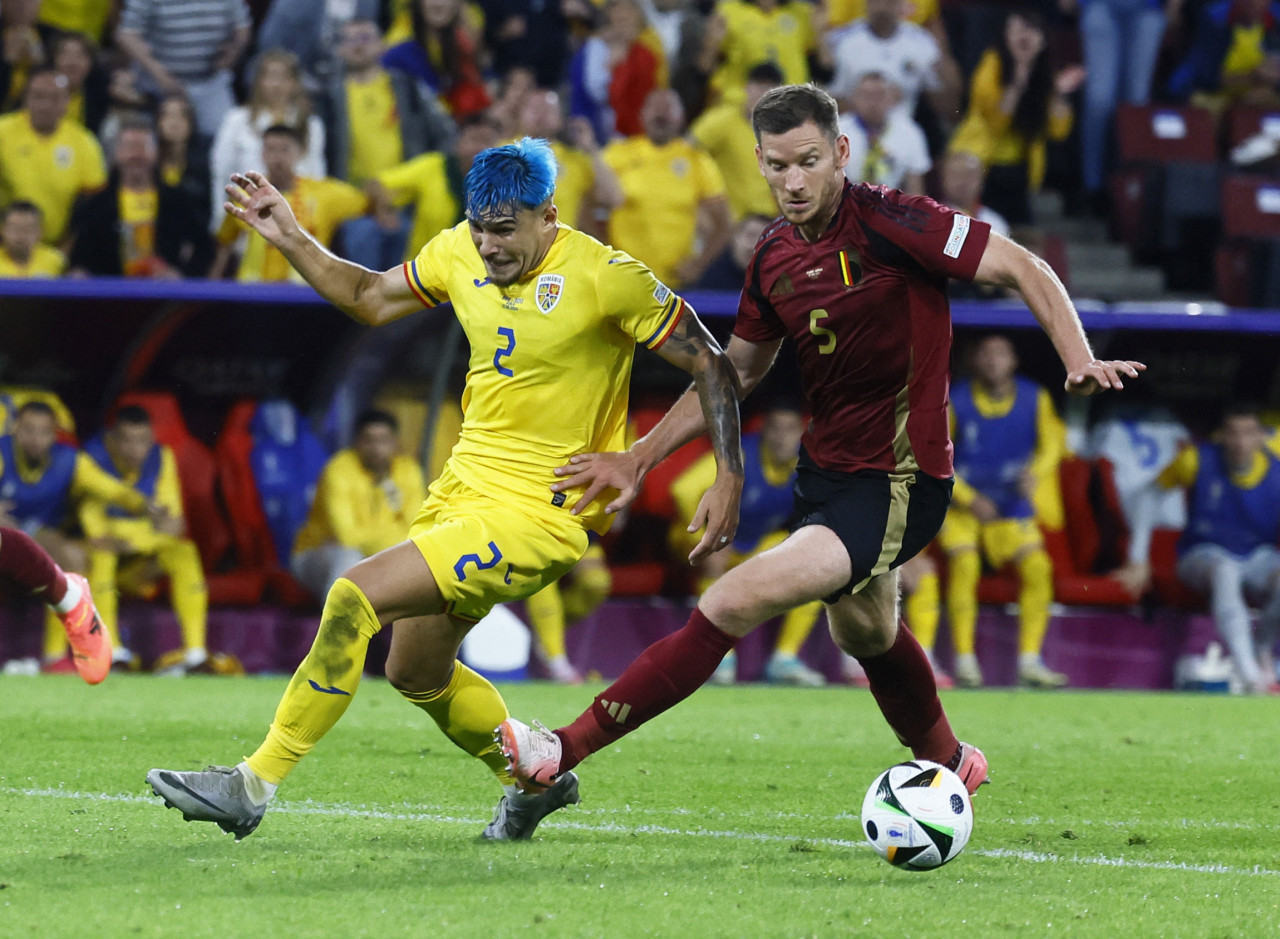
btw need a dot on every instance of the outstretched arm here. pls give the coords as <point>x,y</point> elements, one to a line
<point>362,294</point>
<point>1007,264</point>
<point>689,417</point>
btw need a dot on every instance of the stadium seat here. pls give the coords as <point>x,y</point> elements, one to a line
<point>268,464</point>
<point>1163,134</point>
<point>1245,261</point>
<point>1244,122</point>
<point>1250,207</point>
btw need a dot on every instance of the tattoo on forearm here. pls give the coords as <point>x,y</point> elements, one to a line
<point>720,408</point>
<point>364,281</point>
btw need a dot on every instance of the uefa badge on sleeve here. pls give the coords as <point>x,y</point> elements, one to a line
<point>549,289</point>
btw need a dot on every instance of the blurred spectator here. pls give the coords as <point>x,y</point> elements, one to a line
<point>139,225</point>
<point>680,234</point>
<point>961,181</point>
<point>446,53</point>
<point>88,17</point>
<point>189,47</point>
<point>365,502</point>
<point>22,48</point>
<point>41,479</point>
<point>1234,56</point>
<point>376,119</point>
<point>531,34</point>
<point>725,132</point>
<point>276,97</point>
<point>184,161</point>
<point>769,464</point>
<point>312,31</point>
<point>564,603</point>
<point>748,32</point>
<point>1121,42</point>
<point>729,270</point>
<point>907,55</point>
<point>1008,443</point>
<point>319,205</point>
<point>126,102</point>
<point>670,21</point>
<point>1228,550</point>
<point>886,146</point>
<point>697,56</point>
<point>1016,105</point>
<point>130,554</point>
<point>516,85</point>
<point>432,184</point>
<point>587,190</point>
<point>613,73</point>
<point>75,56</point>
<point>21,253</point>
<point>45,158</point>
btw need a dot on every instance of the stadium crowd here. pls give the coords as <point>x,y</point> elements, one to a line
<point>122,122</point>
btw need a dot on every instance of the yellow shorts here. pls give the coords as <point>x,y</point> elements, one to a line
<point>483,552</point>
<point>1002,540</point>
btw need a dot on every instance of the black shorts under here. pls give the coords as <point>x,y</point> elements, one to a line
<point>882,519</point>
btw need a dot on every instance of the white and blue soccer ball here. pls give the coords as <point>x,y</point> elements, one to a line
<point>917,815</point>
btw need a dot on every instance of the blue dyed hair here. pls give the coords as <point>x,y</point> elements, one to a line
<point>503,180</point>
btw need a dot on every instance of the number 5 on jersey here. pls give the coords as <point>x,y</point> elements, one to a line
<point>828,338</point>
<point>510,335</point>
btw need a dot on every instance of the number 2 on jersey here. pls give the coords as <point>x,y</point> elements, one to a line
<point>827,336</point>
<point>510,335</point>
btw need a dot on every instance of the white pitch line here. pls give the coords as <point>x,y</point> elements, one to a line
<point>347,811</point>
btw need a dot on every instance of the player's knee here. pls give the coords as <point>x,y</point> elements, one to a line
<point>864,636</point>
<point>417,679</point>
<point>1036,566</point>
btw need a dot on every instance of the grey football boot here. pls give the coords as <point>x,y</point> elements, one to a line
<point>216,794</point>
<point>519,813</point>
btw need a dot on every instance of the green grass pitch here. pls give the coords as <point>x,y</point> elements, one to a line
<point>734,815</point>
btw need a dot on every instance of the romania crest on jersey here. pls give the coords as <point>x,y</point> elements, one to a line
<point>548,291</point>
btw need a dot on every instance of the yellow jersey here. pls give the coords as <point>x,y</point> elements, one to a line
<point>840,12</point>
<point>139,533</point>
<point>660,232</point>
<point>725,132</point>
<point>550,364</point>
<point>782,36</point>
<point>49,170</point>
<point>433,184</point>
<point>320,205</point>
<point>376,144</point>
<point>44,262</point>
<point>77,16</point>
<point>356,510</point>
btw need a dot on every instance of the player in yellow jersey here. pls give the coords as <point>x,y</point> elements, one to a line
<point>553,318</point>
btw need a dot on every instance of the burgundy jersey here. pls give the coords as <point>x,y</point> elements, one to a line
<point>867,307</point>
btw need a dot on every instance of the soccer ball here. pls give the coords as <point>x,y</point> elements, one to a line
<point>917,815</point>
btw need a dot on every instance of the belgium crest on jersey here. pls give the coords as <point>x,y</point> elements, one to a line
<point>547,294</point>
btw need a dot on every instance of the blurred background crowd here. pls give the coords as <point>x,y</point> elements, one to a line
<point>124,118</point>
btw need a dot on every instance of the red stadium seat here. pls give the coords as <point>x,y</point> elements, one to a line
<point>1161,134</point>
<point>1250,207</point>
<point>1244,122</point>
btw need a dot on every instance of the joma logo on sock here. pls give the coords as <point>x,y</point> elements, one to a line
<point>616,710</point>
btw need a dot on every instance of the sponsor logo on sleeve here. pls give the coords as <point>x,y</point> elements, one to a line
<point>959,232</point>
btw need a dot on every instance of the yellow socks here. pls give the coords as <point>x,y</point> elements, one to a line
<point>546,613</point>
<point>181,561</point>
<point>1036,573</point>
<point>468,709</point>
<point>962,599</point>
<point>323,685</point>
<point>920,609</point>
<point>796,627</point>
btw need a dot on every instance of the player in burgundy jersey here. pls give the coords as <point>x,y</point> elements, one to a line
<point>856,275</point>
